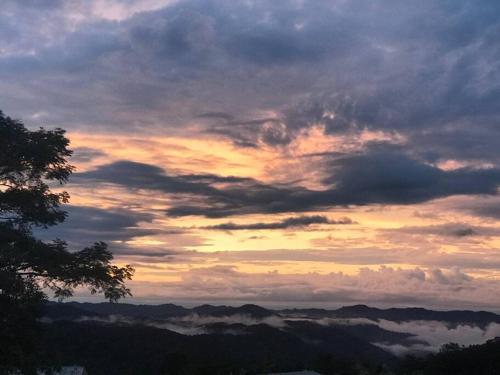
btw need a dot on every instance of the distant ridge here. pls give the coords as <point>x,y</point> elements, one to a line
<point>72,310</point>
<point>401,314</point>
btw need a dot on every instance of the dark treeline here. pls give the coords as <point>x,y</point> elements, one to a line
<point>31,162</point>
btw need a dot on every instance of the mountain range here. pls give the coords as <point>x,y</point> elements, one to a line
<point>165,311</point>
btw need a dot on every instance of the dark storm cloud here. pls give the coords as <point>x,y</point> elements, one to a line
<point>239,195</point>
<point>427,71</point>
<point>369,178</point>
<point>392,177</point>
<point>291,222</point>
<point>438,96</point>
<point>145,176</point>
<point>85,224</point>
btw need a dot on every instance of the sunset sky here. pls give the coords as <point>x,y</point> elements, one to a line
<point>286,153</point>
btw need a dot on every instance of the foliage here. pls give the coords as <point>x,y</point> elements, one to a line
<point>454,359</point>
<point>32,163</point>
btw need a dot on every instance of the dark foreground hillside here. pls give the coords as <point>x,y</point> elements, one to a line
<point>136,349</point>
<point>115,349</point>
<point>455,360</point>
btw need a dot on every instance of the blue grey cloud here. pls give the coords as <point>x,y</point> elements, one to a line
<point>426,72</point>
<point>84,223</point>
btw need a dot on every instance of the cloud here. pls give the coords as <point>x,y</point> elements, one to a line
<point>146,176</point>
<point>291,222</point>
<point>437,334</point>
<point>456,230</point>
<point>247,133</point>
<point>486,208</point>
<point>386,286</point>
<point>86,225</point>
<point>86,154</point>
<point>369,178</point>
<point>428,73</point>
<point>195,319</point>
<point>477,259</point>
<point>463,232</point>
<point>401,350</point>
<point>93,224</point>
<point>393,177</point>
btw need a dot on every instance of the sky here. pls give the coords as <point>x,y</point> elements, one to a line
<point>294,153</point>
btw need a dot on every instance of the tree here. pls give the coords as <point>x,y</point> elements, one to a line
<point>30,163</point>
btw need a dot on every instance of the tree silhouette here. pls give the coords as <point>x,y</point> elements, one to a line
<point>29,162</point>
